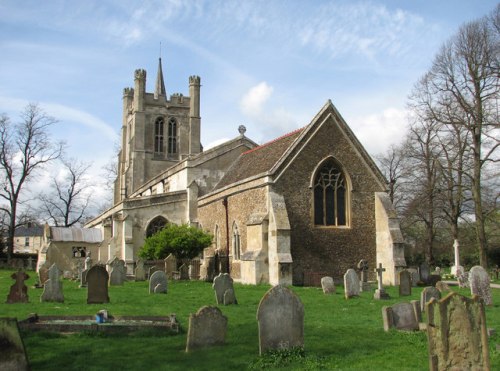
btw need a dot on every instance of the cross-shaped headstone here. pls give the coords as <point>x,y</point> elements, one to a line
<point>379,271</point>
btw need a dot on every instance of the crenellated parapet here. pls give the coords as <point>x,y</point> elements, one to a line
<point>194,80</point>
<point>128,92</point>
<point>140,74</point>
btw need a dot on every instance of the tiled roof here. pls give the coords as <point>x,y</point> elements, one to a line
<point>258,160</point>
<point>74,234</point>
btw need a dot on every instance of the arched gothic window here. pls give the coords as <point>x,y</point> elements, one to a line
<point>156,225</point>
<point>159,135</point>
<point>236,243</point>
<point>330,195</point>
<point>172,136</point>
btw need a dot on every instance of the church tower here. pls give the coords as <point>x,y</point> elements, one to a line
<point>157,131</point>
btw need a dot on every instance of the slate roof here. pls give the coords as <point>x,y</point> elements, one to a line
<point>33,231</point>
<point>258,160</point>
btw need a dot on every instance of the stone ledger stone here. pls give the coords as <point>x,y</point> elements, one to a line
<point>281,320</point>
<point>97,285</point>
<point>351,284</point>
<point>456,333</point>
<point>53,287</point>
<point>12,353</point>
<point>479,282</point>
<point>328,285</point>
<point>158,283</point>
<point>206,328</point>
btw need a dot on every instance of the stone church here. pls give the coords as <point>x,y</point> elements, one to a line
<point>308,204</point>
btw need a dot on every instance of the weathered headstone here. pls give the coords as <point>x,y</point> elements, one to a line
<point>328,285</point>
<point>427,294</point>
<point>462,277</point>
<point>351,284</point>
<point>184,272</point>
<point>110,263</point>
<point>401,316</point>
<point>158,283</point>
<point>380,293</point>
<point>18,291</point>
<point>415,276</point>
<point>151,270</point>
<point>443,288</point>
<point>83,278</point>
<point>479,282</point>
<point>13,354</point>
<point>424,271</point>
<point>43,273</point>
<point>229,297</point>
<point>206,328</point>
<point>194,269</point>
<point>456,334</point>
<point>222,283</point>
<point>363,269</point>
<point>97,285</point>
<point>170,265</point>
<point>53,287</point>
<point>140,273</point>
<point>118,273</point>
<point>404,283</point>
<point>281,320</point>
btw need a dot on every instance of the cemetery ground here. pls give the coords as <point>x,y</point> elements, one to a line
<point>338,333</point>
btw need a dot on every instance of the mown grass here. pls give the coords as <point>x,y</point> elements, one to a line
<point>339,334</point>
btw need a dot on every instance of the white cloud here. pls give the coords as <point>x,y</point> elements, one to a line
<point>252,102</point>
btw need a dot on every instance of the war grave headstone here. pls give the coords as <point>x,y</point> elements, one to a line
<point>363,269</point>
<point>401,316</point>
<point>351,284</point>
<point>140,273</point>
<point>404,283</point>
<point>97,285</point>
<point>415,276</point>
<point>184,272</point>
<point>328,285</point>
<point>13,353</point>
<point>456,334</point>
<point>53,287</point>
<point>479,282</point>
<point>18,292</point>
<point>118,273</point>
<point>206,328</point>
<point>158,283</point>
<point>427,294</point>
<point>170,265</point>
<point>281,320</point>
<point>424,271</point>
<point>222,283</point>
<point>380,293</point>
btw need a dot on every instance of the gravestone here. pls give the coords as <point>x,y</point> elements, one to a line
<point>229,297</point>
<point>462,277</point>
<point>207,270</point>
<point>479,282</point>
<point>206,328</point>
<point>404,283</point>
<point>427,294</point>
<point>281,320</point>
<point>222,283</point>
<point>380,293</point>
<point>151,270</point>
<point>83,278</point>
<point>53,287</point>
<point>328,285</point>
<point>110,263</point>
<point>13,354</point>
<point>118,273</point>
<point>97,285</point>
<point>415,276</point>
<point>18,291</point>
<point>140,273</point>
<point>158,283</point>
<point>363,269</point>
<point>424,271</point>
<point>184,272</point>
<point>456,334</point>
<point>43,273</point>
<point>351,284</point>
<point>194,269</point>
<point>443,288</point>
<point>170,265</point>
<point>400,316</point>
<point>88,262</point>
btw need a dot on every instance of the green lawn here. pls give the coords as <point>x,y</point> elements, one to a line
<point>339,334</point>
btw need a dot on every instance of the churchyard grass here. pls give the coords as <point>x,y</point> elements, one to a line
<point>339,334</point>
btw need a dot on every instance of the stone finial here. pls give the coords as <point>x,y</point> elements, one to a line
<point>128,92</point>
<point>242,129</point>
<point>140,74</point>
<point>194,80</point>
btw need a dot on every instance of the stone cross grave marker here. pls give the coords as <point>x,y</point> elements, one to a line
<point>427,294</point>
<point>281,320</point>
<point>401,316</point>
<point>351,284</point>
<point>118,273</point>
<point>13,354</point>
<point>222,283</point>
<point>53,287</point>
<point>97,285</point>
<point>328,285</point>
<point>18,291</point>
<point>479,282</point>
<point>158,283</point>
<point>456,334</point>
<point>404,283</point>
<point>380,293</point>
<point>140,273</point>
<point>170,265</point>
<point>206,328</point>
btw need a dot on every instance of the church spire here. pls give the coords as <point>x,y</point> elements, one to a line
<point>160,84</point>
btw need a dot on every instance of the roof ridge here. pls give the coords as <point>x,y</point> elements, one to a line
<point>273,141</point>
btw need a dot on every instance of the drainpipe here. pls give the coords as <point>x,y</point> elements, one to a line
<point>224,202</point>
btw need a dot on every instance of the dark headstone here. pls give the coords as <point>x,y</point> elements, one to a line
<point>158,283</point>
<point>18,291</point>
<point>404,283</point>
<point>97,285</point>
<point>222,283</point>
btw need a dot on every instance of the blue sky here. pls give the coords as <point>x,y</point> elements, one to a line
<point>270,65</point>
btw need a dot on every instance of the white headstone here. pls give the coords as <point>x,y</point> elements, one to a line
<point>328,285</point>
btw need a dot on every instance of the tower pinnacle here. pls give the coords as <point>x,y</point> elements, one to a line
<point>160,84</point>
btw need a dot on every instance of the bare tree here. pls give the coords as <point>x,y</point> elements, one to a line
<point>393,165</point>
<point>24,148</point>
<point>67,201</point>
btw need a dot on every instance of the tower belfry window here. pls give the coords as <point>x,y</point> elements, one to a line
<point>159,135</point>
<point>172,136</point>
